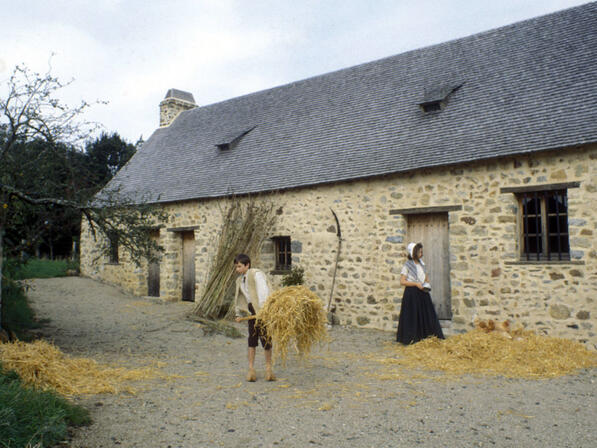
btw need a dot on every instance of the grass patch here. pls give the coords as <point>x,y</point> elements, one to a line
<point>30,416</point>
<point>36,268</point>
<point>17,315</point>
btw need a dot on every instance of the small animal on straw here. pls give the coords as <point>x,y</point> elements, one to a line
<point>501,328</point>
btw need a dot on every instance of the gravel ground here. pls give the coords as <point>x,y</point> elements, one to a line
<point>333,400</point>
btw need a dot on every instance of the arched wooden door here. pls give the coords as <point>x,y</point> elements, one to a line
<point>431,229</point>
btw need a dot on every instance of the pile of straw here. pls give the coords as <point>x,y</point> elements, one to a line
<point>293,315</point>
<point>524,355</point>
<point>44,366</point>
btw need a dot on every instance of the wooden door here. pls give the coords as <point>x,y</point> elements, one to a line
<point>153,274</point>
<point>432,230</point>
<point>188,266</point>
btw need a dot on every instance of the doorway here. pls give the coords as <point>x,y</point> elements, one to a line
<point>188,266</point>
<point>153,274</point>
<point>431,229</point>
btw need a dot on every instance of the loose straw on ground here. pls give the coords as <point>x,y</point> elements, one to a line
<point>525,355</point>
<point>42,365</point>
<point>293,315</point>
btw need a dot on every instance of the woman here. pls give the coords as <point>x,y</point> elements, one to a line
<point>417,315</point>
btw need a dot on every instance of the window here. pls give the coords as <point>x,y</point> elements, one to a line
<point>113,249</point>
<point>544,216</point>
<point>432,106</point>
<point>436,98</point>
<point>283,253</point>
<point>229,140</point>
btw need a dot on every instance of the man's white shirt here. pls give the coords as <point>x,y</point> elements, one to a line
<point>260,284</point>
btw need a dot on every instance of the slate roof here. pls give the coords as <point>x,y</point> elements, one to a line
<point>526,87</point>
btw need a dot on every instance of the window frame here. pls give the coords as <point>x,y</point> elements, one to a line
<point>540,189</point>
<point>113,248</point>
<point>282,252</point>
<point>542,232</point>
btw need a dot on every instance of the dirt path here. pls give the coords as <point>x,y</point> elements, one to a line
<point>335,400</point>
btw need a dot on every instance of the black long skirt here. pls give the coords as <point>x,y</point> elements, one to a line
<point>418,319</point>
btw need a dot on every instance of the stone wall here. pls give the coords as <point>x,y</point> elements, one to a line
<point>486,276</point>
<point>125,273</point>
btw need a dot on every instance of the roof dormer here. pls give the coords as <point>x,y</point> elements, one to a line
<point>228,141</point>
<point>436,99</point>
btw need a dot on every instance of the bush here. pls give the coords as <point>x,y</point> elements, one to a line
<point>17,315</point>
<point>294,277</point>
<point>30,417</point>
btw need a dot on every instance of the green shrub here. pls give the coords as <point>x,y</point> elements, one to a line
<point>17,315</point>
<point>29,416</point>
<point>294,277</point>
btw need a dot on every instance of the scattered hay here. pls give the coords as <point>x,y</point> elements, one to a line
<point>525,355</point>
<point>327,406</point>
<point>42,365</point>
<point>294,314</point>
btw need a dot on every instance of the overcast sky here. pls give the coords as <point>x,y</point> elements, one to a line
<point>130,52</point>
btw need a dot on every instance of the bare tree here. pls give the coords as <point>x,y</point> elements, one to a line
<point>30,110</point>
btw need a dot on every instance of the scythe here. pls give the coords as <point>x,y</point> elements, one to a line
<point>339,234</point>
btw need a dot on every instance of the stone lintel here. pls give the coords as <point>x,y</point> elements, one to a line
<point>423,210</point>
<point>544,187</point>
<point>182,229</point>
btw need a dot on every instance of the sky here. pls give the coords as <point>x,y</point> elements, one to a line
<point>128,53</point>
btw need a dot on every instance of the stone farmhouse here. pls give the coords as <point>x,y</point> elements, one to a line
<point>483,148</point>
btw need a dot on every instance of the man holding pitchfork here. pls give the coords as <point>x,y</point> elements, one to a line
<point>252,290</point>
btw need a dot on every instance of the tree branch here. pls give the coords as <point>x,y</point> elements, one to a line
<point>40,201</point>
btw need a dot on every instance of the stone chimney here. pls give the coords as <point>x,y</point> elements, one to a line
<point>175,102</point>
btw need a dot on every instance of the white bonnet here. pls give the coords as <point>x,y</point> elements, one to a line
<point>410,248</point>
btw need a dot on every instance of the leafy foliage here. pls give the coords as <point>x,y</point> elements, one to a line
<point>294,277</point>
<point>17,315</point>
<point>59,171</point>
<point>106,155</point>
<point>112,216</point>
<point>45,184</point>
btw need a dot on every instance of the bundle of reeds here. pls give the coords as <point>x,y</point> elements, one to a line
<point>245,224</point>
<point>523,355</point>
<point>42,365</point>
<point>293,315</point>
